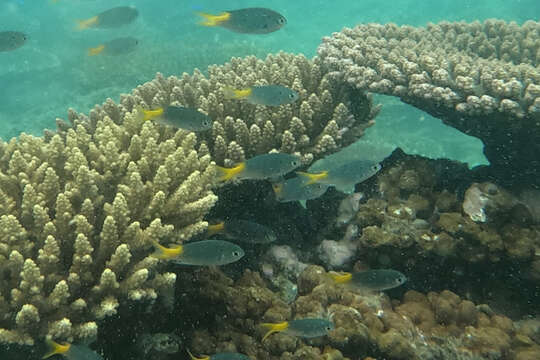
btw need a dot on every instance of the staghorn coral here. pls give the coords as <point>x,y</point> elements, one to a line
<point>328,115</point>
<point>481,78</point>
<point>77,214</point>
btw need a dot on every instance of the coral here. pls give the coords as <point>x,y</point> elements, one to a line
<point>328,115</point>
<point>78,213</point>
<point>481,78</point>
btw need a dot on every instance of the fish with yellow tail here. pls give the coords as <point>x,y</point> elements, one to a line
<point>294,189</point>
<point>178,117</point>
<point>261,167</point>
<point>71,351</point>
<point>115,47</point>
<point>343,177</point>
<point>370,280</point>
<point>200,253</point>
<point>111,18</point>
<point>306,328</point>
<point>243,230</point>
<point>220,356</point>
<point>246,21</point>
<point>268,95</point>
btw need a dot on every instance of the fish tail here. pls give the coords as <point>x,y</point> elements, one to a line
<point>196,358</point>
<point>340,278</point>
<point>165,253</point>
<point>96,51</point>
<point>237,94</point>
<point>274,328</point>
<point>85,24</point>
<point>213,20</point>
<point>215,229</point>
<point>54,348</point>
<point>230,173</point>
<point>145,115</point>
<point>278,188</point>
<point>313,178</point>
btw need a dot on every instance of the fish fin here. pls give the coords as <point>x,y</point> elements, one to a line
<point>313,177</point>
<point>96,51</point>
<point>145,115</point>
<point>303,203</point>
<point>85,24</point>
<point>213,20</point>
<point>278,188</point>
<point>341,277</point>
<point>236,94</point>
<point>215,229</point>
<point>165,253</point>
<point>274,328</point>
<point>54,348</point>
<point>205,357</point>
<point>229,173</point>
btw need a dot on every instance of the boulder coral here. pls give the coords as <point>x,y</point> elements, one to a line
<point>481,78</point>
<point>78,212</point>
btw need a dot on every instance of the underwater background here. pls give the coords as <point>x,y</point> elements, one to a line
<point>52,72</point>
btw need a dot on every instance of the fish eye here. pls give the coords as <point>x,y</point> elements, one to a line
<point>291,96</point>
<point>236,253</point>
<point>294,163</point>
<point>328,328</point>
<point>281,20</point>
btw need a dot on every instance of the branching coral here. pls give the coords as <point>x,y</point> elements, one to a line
<point>77,214</point>
<point>327,116</point>
<point>481,78</point>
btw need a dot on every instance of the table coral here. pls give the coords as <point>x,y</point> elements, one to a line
<point>481,78</point>
<point>78,213</point>
<point>328,115</point>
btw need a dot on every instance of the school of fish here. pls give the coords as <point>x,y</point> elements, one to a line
<point>273,167</point>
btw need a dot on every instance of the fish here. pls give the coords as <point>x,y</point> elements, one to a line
<point>118,46</point>
<point>294,189</point>
<point>12,40</point>
<point>306,328</point>
<point>268,95</point>
<point>371,280</point>
<point>246,21</point>
<point>220,356</point>
<point>200,253</point>
<point>71,351</point>
<point>112,18</point>
<point>261,167</point>
<point>343,177</point>
<point>178,117</point>
<point>243,230</point>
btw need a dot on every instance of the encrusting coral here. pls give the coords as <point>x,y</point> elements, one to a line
<point>436,325</point>
<point>328,115</point>
<point>78,212</point>
<point>481,78</point>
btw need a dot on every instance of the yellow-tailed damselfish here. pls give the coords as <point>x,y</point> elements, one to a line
<point>246,21</point>
<point>115,47</point>
<point>112,18</point>
<point>371,280</point>
<point>11,40</point>
<point>306,328</point>
<point>244,231</point>
<point>201,253</point>
<point>178,117</point>
<point>269,95</point>
<point>261,167</point>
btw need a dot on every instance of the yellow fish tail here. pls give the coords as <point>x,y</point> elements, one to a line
<point>274,328</point>
<point>55,348</point>
<point>213,20</point>
<point>313,178</point>
<point>196,358</point>
<point>278,188</point>
<point>230,173</point>
<point>237,94</point>
<point>145,115</point>
<point>215,229</point>
<point>96,51</point>
<point>340,278</point>
<point>165,253</point>
<point>85,24</point>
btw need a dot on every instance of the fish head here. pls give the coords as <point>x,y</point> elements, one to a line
<point>206,123</point>
<point>236,253</point>
<point>400,280</point>
<point>294,161</point>
<point>270,236</point>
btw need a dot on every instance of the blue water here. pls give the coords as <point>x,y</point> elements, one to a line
<point>52,72</point>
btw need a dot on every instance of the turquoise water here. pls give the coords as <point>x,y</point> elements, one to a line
<point>52,72</point>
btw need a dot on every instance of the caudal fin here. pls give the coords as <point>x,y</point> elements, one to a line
<point>86,24</point>
<point>213,20</point>
<point>236,94</point>
<point>215,229</point>
<point>96,51</point>
<point>165,253</point>
<point>225,174</point>
<point>274,328</point>
<point>54,348</point>
<point>340,278</point>
<point>312,178</point>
